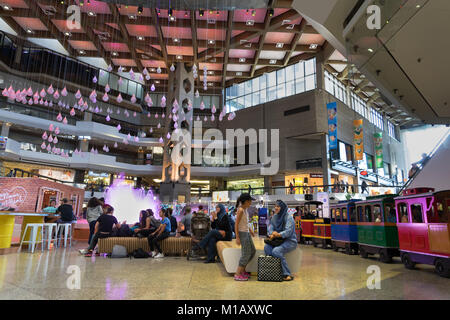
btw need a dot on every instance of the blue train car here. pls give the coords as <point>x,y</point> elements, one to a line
<point>344,231</point>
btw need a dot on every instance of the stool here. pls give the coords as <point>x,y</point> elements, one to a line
<point>65,227</point>
<point>49,229</point>
<point>34,228</point>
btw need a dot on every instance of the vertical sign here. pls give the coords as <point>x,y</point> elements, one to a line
<point>323,197</point>
<point>378,139</point>
<point>3,141</point>
<point>358,138</point>
<point>332,125</point>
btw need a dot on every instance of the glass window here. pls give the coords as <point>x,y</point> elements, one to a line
<point>377,213</point>
<point>416,213</point>
<point>352,214</point>
<point>263,82</point>
<point>299,85</point>
<point>290,73</point>
<point>367,214</point>
<point>310,66</point>
<point>389,213</point>
<point>290,88</point>
<point>333,215</point>
<point>338,215</point>
<point>344,214</point>
<point>272,79</point>
<point>248,87</point>
<point>360,214</point>
<point>299,70</point>
<point>310,83</point>
<point>442,211</point>
<point>402,209</point>
<point>255,100</point>
<point>281,76</point>
<point>281,91</point>
<point>255,84</point>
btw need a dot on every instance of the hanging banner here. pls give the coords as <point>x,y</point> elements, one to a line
<point>332,125</point>
<point>378,139</point>
<point>3,141</point>
<point>358,138</point>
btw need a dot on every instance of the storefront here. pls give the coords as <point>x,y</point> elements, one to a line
<point>96,181</point>
<point>304,183</point>
<point>60,174</point>
<point>343,182</point>
<point>256,185</point>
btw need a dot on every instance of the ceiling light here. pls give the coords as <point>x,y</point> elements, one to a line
<point>7,8</point>
<point>176,40</point>
<point>241,59</point>
<point>239,73</point>
<point>152,69</point>
<point>280,45</point>
<point>82,52</point>
<point>250,22</point>
<point>272,61</point>
<point>132,17</point>
<point>211,72</point>
<point>211,42</point>
<point>170,12</point>
<point>157,82</point>
<point>29,31</point>
<point>91,14</point>
<point>179,57</point>
<point>286,22</point>
<point>67,34</point>
<point>115,54</point>
<point>201,13</point>
<point>141,38</point>
<point>313,46</point>
<point>271,12</point>
<point>370,50</point>
<point>210,84</point>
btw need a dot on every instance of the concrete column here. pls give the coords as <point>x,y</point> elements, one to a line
<point>83,145</point>
<point>5,129</point>
<point>325,161</point>
<point>87,116</point>
<point>268,184</point>
<point>140,156</point>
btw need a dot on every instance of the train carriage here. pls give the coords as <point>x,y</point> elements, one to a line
<point>310,210</point>
<point>424,228</point>
<point>344,231</point>
<point>377,229</point>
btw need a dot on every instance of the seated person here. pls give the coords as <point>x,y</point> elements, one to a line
<point>404,218</point>
<point>173,222</point>
<point>51,208</point>
<point>185,223</point>
<point>103,228</point>
<point>144,227</point>
<point>155,223</point>
<point>161,233</point>
<point>65,210</point>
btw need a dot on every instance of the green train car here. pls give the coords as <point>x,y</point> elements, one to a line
<point>377,227</point>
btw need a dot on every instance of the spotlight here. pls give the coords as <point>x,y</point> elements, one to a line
<point>253,13</point>
<point>185,13</point>
<point>88,2</point>
<point>201,13</point>
<point>271,12</point>
<point>158,12</point>
<point>140,9</point>
<point>170,12</point>
<point>81,3</point>
<point>210,12</point>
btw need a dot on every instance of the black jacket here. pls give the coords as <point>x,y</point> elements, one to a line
<point>224,225</point>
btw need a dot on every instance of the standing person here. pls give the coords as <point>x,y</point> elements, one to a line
<point>65,210</point>
<point>249,189</point>
<point>221,231</point>
<point>102,201</point>
<point>243,237</point>
<point>291,188</point>
<point>103,228</point>
<point>186,222</point>
<point>364,187</point>
<point>173,222</point>
<point>161,233</point>
<point>93,212</point>
<point>282,225</point>
<point>144,228</point>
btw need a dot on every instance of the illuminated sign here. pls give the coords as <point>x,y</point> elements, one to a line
<point>13,198</point>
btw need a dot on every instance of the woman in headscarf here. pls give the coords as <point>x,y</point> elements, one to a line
<point>282,225</point>
<point>220,231</point>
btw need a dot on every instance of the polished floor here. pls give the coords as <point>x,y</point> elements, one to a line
<point>324,274</point>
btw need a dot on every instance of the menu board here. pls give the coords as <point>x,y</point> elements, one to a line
<point>220,196</point>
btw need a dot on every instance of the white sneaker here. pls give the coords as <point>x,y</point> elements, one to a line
<point>152,254</point>
<point>83,251</point>
<point>159,255</point>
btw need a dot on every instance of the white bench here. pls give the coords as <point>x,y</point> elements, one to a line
<point>230,253</point>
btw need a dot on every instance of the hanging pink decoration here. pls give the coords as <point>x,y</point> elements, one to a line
<point>145,72</point>
<point>41,102</point>
<point>72,112</point>
<point>158,70</point>
<point>105,97</point>
<point>94,79</point>
<point>115,144</point>
<point>118,111</point>
<point>120,69</point>
<point>133,98</point>
<point>108,118</point>
<point>50,90</point>
<point>213,109</point>
<point>151,130</point>
<point>42,93</point>
<point>192,118</point>
<point>60,103</point>
<point>50,104</point>
<point>93,96</point>
<point>153,87</point>
<point>131,73</point>
<point>202,106</point>
<point>46,103</point>
<point>57,130</point>
<point>30,101</point>
<point>156,115</point>
<point>30,92</point>
<point>92,150</point>
<point>64,120</point>
<point>120,81</point>
<point>119,127</point>
<point>197,94</point>
<point>96,110</point>
<point>78,94</point>
<point>51,127</point>
<point>168,135</point>
<point>119,98</point>
<point>54,149</point>
<point>147,97</point>
<point>175,125</point>
<point>35,96</point>
<point>55,140</point>
<point>50,139</point>
<point>212,117</point>
<point>44,135</point>
<point>80,102</point>
<point>197,119</point>
<point>159,125</point>
<point>125,141</point>
<point>147,77</point>
<point>205,119</point>
<point>85,105</point>
<point>161,140</point>
<point>64,92</point>
<point>59,117</point>
<point>107,88</point>
<point>170,116</point>
<point>23,93</point>
<point>163,115</point>
<point>110,68</point>
<point>136,139</point>
<point>5,92</point>
<point>148,115</point>
<point>129,137</point>
<point>175,118</point>
<point>143,135</point>
<point>134,114</point>
<point>43,145</point>
<point>49,148</point>
<point>150,102</point>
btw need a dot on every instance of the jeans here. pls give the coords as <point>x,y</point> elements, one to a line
<point>247,248</point>
<point>210,241</point>
<point>279,252</point>
<point>91,230</point>
<point>98,235</point>
<point>153,241</point>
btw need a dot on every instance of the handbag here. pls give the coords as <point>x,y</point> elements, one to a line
<point>275,242</point>
<point>269,269</point>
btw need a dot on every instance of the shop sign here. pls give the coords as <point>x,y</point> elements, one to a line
<point>12,198</point>
<point>332,125</point>
<point>220,196</point>
<point>378,139</point>
<point>358,138</point>
<point>316,175</point>
<point>364,173</point>
<point>3,141</point>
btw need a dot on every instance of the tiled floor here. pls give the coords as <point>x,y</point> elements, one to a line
<point>324,274</point>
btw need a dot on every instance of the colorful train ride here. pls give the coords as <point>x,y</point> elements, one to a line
<point>424,228</point>
<point>344,231</point>
<point>309,211</point>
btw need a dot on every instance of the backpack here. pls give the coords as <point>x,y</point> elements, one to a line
<point>119,251</point>
<point>140,254</point>
<point>124,231</point>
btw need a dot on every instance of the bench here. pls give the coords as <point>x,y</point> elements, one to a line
<point>230,253</point>
<point>169,246</point>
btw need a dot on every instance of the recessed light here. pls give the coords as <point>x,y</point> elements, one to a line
<point>210,84</point>
<point>272,61</point>
<point>241,59</point>
<point>179,57</point>
<point>81,52</point>
<point>6,7</point>
<point>115,54</point>
<point>67,34</point>
<point>157,82</point>
<point>152,69</point>
<point>211,41</point>
<point>91,14</point>
<point>172,18</point>
<point>250,22</point>
<point>370,50</point>
<point>418,6</point>
<point>285,22</point>
<point>239,73</point>
<point>29,31</point>
<point>141,38</point>
<point>210,72</point>
<point>280,45</point>
<point>132,17</point>
<point>176,40</point>
<point>313,46</point>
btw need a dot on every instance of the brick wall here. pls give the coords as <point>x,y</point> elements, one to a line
<point>23,194</point>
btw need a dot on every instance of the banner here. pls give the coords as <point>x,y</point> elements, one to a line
<point>332,125</point>
<point>378,139</point>
<point>358,138</point>
<point>3,141</point>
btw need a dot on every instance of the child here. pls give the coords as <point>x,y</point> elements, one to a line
<point>243,238</point>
